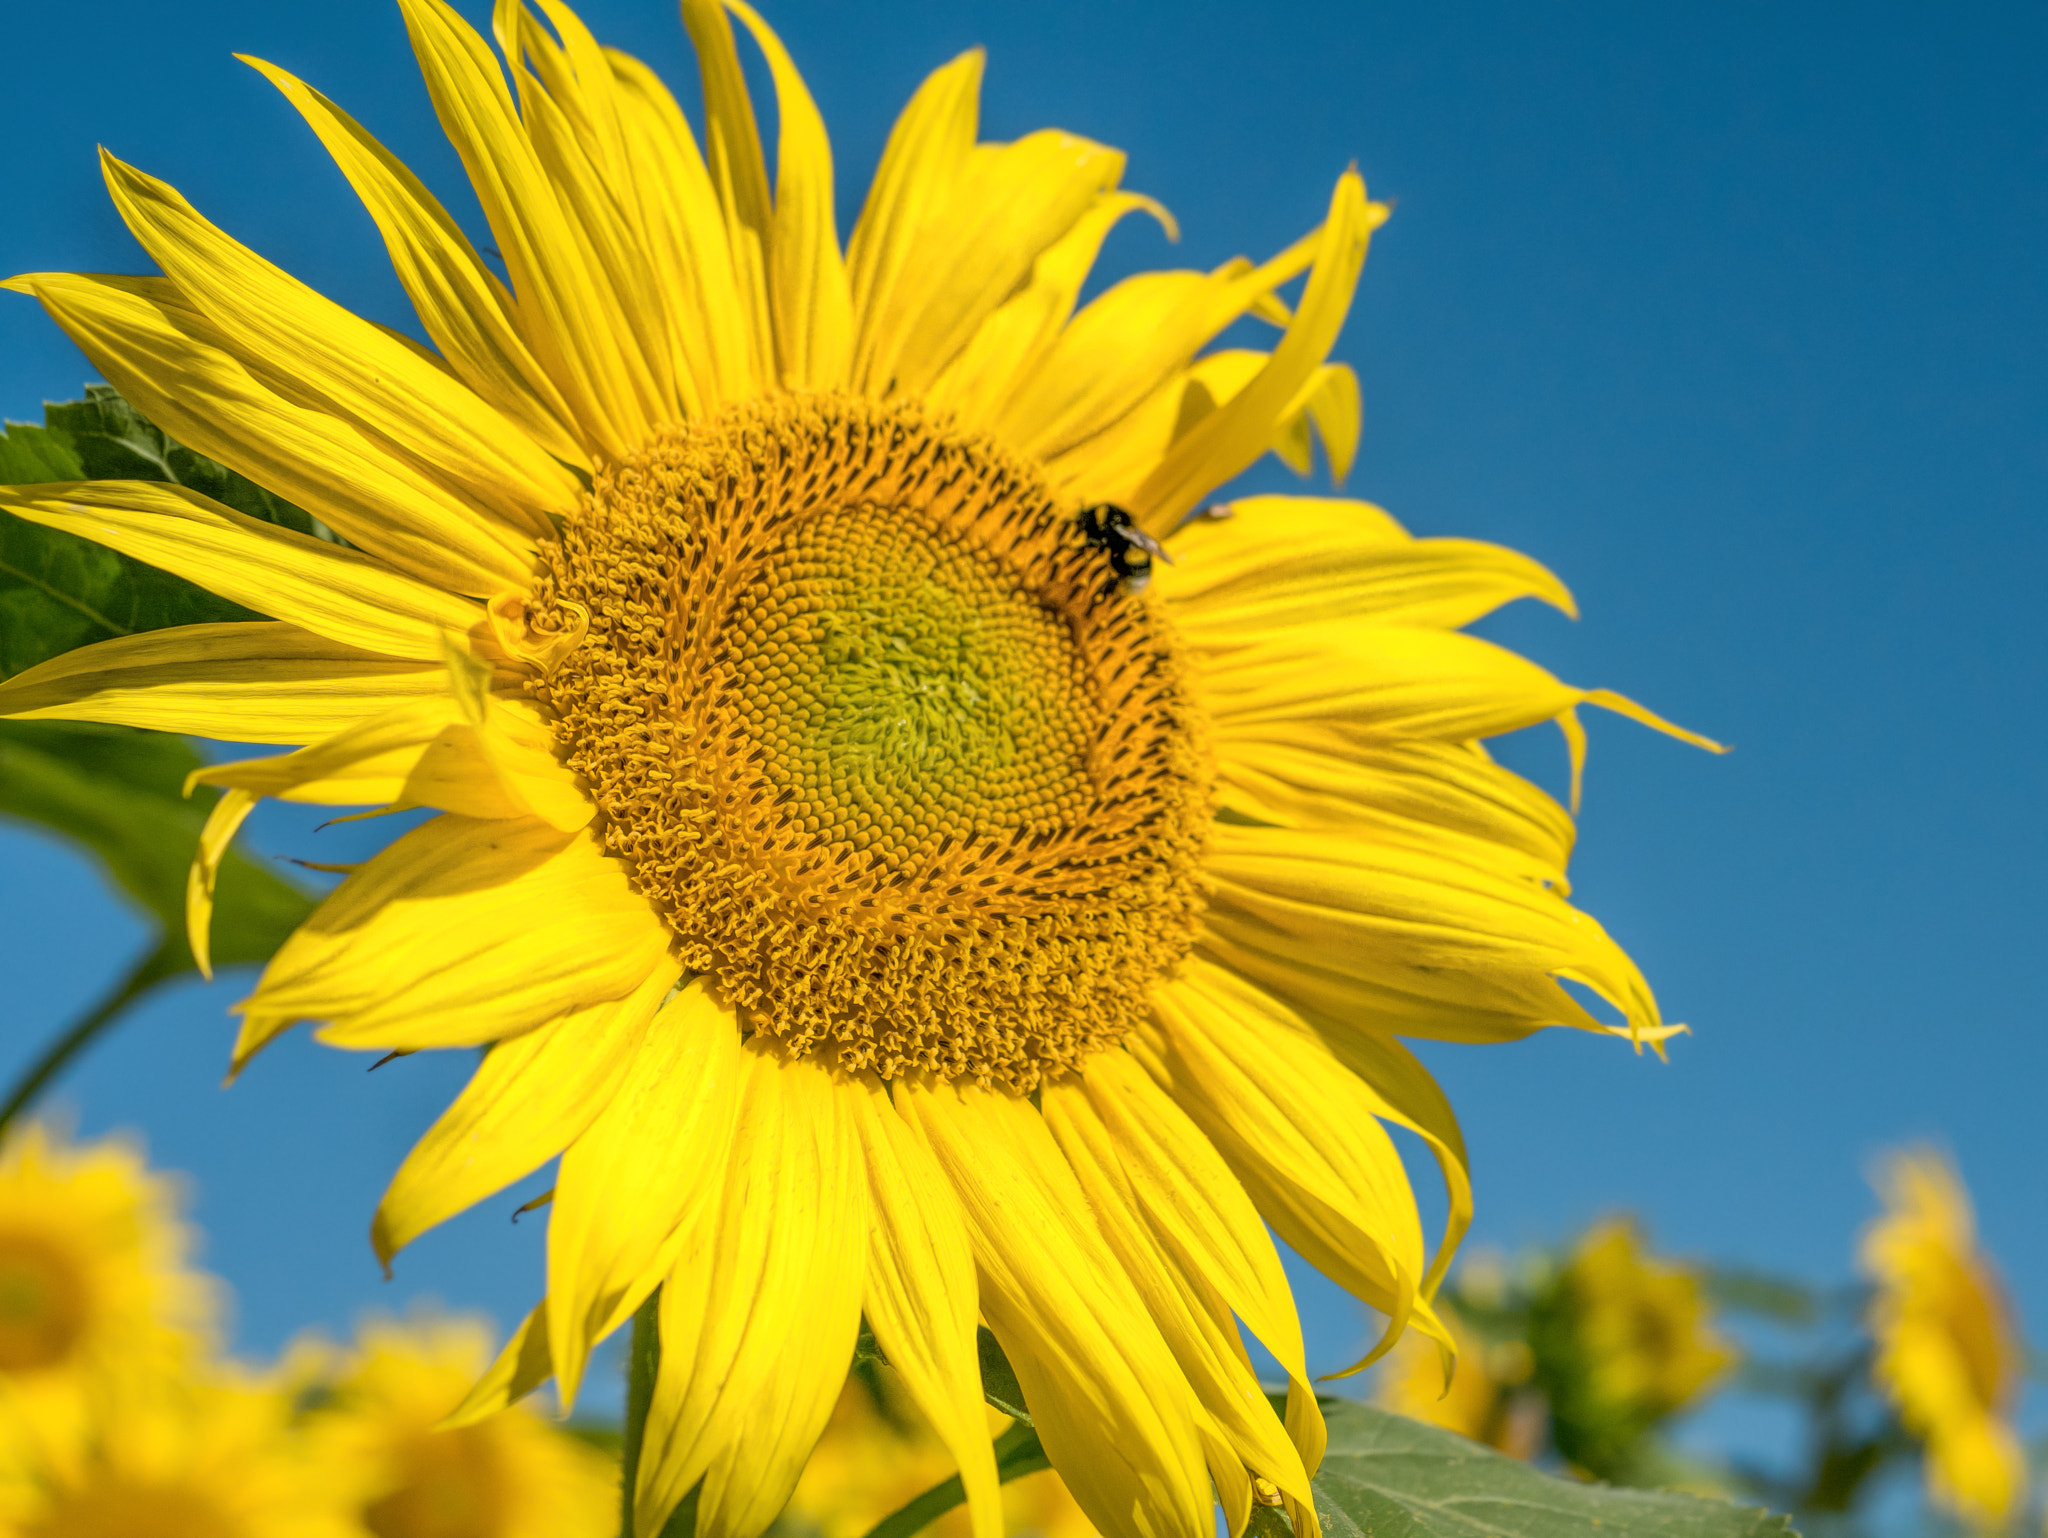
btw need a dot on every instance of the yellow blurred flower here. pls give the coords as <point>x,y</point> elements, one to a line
<point>512,1475</point>
<point>1481,1402</point>
<point>192,1457</point>
<point>1623,1341</point>
<point>1948,1354</point>
<point>93,1274</point>
<point>877,1454</point>
<point>1644,1324</point>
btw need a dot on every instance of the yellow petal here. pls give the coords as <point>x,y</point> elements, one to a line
<point>461,932</point>
<point>180,372</point>
<point>1248,578</point>
<point>1438,921</point>
<point>811,305</point>
<point>1109,1402</point>
<point>1301,1132</point>
<point>759,1314</point>
<point>652,1158</point>
<point>1382,679</point>
<point>251,682</point>
<point>529,1099</point>
<point>568,315</point>
<point>521,1368</point>
<point>1009,348</point>
<point>463,306</point>
<point>514,744</point>
<point>1124,343</point>
<point>368,764</point>
<point>920,167</point>
<point>357,371</point>
<point>1206,1224</point>
<point>1330,403</point>
<point>1313,778</point>
<point>1193,1318</point>
<point>920,1297</point>
<point>336,593</point>
<point>1224,443</point>
<point>222,823</point>
<point>732,153</point>
<point>571,124</point>
<point>1010,203</point>
<point>687,242</point>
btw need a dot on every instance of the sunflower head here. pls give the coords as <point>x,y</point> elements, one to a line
<point>906,775</point>
<point>375,1420</point>
<point>93,1265</point>
<point>1948,1354</point>
<point>883,905</point>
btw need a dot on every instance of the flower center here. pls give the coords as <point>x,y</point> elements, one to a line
<point>875,728</point>
<point>43,1303</point>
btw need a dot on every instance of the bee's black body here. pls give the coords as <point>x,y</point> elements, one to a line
<point>1112,530</point>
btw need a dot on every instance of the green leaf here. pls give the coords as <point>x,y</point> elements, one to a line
<point>120,794</point>
<point>999,1384</point>
<point>1390,1477</point>
<point>58,591</point>
<point>114,441</point>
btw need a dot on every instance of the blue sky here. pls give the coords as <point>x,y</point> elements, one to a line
<point>1732,314</point>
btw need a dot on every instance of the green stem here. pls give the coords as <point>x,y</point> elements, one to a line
<point>152,969</point>
<point>643,1366</point>
<point>1017,1453</point>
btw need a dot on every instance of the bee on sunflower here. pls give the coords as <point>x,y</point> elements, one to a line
<point>883,908</point>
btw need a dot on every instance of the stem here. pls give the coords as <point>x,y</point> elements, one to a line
<point>643,1362</point>
<point>152,969</point>
<point>643,1366</point>
<point>1017,1453</point>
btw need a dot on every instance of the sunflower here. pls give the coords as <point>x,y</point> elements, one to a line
<point>377,1413</point>
<point>199,1456</point>
<point>1623,1341</point>
<point>1948,1354</point>
<point>882,900</point>
<point>93,1272</point>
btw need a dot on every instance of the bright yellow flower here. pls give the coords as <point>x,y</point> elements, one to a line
<point>832,847</point>
<point>93,1275</point>
<point>513,1475</point>
<point>1480,1401</point>
<point>1644,1328</point>
<point>877,1455</point>
<point>1948,1354</point>
<point>171,1458</point>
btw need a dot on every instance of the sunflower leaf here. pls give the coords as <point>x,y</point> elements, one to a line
<point>119,793</point>
<point>1385,1473</point>
<point>59,592</point>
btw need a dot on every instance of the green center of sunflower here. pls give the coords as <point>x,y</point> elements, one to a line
<point>43,1303</point>
<point>870,722</point>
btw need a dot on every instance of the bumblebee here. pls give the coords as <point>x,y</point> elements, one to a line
<point>1112,530</point>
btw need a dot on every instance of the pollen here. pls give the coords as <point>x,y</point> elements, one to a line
<point>906,770</point>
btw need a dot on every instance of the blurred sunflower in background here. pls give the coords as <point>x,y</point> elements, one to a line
<point>376,1409</point>
<point>196,1456</point>
<point>1624,1340</point>
<point>94,1275</point>
<point>884,901</point>
<point>1948,1352</point>
<point>1483,1400</point>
